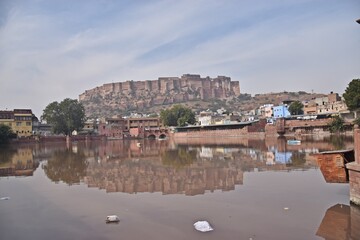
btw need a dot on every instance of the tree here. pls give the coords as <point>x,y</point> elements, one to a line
<point>179,157</point>
<point>178,115</point>
<point>336,125</point>
<point>296,108</point>
<point>65,117</point>
<point>352,95</point>
<point>66,166</point>
<point>6,133</point>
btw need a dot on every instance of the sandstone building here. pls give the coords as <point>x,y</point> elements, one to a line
<point>19,120</point>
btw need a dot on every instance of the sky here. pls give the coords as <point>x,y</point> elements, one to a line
<point>56,49</point>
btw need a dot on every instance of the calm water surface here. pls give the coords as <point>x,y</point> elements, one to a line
<point>246,189</point>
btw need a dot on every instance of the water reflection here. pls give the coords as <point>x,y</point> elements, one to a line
<point>176,168</point>
<point>66,165</point>
<point>174,171</point>
<point>340,222</point>
<point>184,166</point>
<point>17,162</point>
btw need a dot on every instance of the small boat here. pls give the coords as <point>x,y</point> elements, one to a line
<point>293,142</point>
<point>112,219</point>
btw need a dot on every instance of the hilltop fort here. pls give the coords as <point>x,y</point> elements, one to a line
<point>139,95</point>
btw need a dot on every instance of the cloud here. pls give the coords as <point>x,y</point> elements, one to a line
<point>50,50</point>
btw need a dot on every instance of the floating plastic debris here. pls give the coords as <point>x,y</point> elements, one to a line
<point>5,198</point>
<point>286,208</point>
<point>112,218</point>
<point>203,226</point>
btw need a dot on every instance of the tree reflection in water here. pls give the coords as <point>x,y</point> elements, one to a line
<point>66,166</point>
<point>178,157</point>
<point>6,154</point>
<point>338,141</point>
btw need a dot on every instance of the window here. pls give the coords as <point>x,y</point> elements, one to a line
<point>18,123</point>
<point>28,123</point>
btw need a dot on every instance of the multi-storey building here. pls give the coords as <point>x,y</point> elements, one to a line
<point>20,121</point>
<point>332,103</point>
<point>119,127</point>
<point>266,110</point>
<point>281,111</point>
<point>309,107</point>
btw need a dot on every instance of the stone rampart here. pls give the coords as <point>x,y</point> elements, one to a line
<point>121,96</point>
<point>220,87</point>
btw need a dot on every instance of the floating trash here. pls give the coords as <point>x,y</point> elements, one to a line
<point>5,198</point>
<point>286,208</point>
<point>112,218</point>
<point>203,226</point>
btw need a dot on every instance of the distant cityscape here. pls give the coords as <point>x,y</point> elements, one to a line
<point>166,91</point>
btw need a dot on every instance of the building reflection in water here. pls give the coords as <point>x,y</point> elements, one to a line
<point>187,166</point>
<point>17,162</point>
<point>160,166</point>
<point>340,222</point>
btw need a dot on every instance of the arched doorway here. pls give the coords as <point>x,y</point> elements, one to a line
<point>162,136</point>
<point>151,136</point>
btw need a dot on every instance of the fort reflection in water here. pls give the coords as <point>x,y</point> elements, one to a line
<point>187,166</point>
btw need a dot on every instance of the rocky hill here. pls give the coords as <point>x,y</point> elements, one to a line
<point>150,96</point>
<point>142,96</point>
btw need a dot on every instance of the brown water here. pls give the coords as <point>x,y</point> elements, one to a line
<point>246,189</point>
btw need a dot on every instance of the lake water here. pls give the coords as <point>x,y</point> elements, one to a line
<point>245,189</point>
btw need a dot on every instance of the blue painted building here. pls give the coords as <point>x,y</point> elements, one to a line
<point>281,111</point>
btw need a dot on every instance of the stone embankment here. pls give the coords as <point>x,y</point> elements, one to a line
<point>262,130</point>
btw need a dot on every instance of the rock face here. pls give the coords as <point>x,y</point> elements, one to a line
<point>139,95</point>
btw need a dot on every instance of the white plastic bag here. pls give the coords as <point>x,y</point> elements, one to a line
<point>203,226</point>
<point>112,218</point>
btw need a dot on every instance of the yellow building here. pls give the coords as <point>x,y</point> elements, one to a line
<point>20,121</point>
<point>22,125</point>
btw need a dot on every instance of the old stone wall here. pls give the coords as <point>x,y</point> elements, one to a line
<point>332,167</point>
<point>244,132</point>
<point>220,87</point>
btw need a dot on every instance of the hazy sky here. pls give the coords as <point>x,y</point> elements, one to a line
<point>54,49</point>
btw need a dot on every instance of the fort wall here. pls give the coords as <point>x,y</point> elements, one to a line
<point>203,88</point>
<point>137,95</point>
